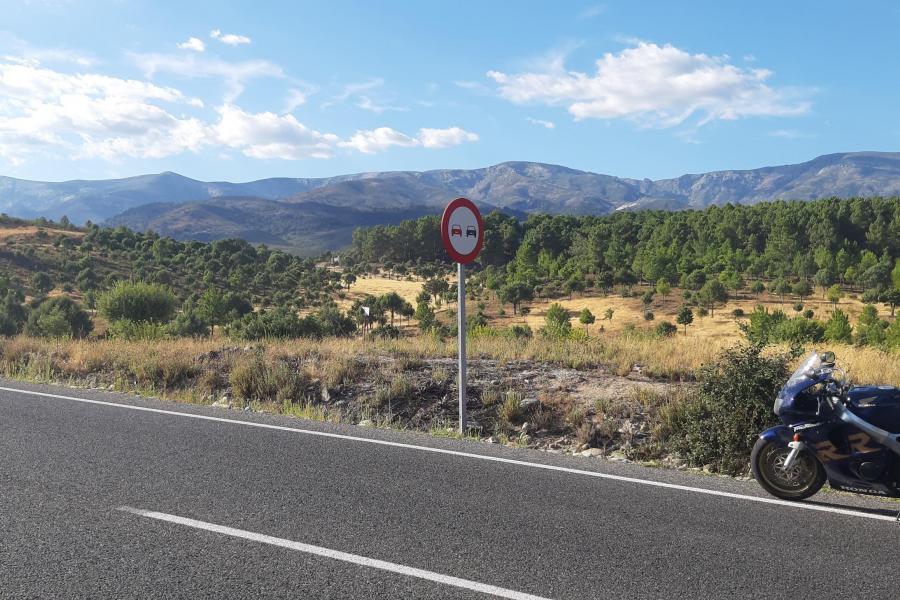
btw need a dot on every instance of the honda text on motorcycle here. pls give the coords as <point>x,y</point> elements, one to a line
<point>847,435</point>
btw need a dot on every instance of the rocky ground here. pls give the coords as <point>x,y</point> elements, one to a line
<point>521,402</point>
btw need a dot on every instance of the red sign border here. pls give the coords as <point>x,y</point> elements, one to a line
<point>445,234</point>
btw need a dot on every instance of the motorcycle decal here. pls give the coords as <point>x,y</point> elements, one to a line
<point>806,426</point>
<point>858,443</point>
<point>858,490</point>
<point>826,451</point>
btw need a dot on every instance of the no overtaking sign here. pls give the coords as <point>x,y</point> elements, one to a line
<point>462,230</point>
<point>463,233</point>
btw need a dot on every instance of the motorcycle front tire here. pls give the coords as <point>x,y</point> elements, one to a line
<point>762,463</point>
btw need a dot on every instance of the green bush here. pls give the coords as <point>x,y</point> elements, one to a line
<point>838,328</point>
<point>719,424</point>
<point>276,323</point>
<point>189,324</point>
<point>12,313</point>
<point>138,330</point>
<point>798,330</point>
<point>137,301</point>
<point>57,318</point>
<point>557,321</point>
<point>666,329</point>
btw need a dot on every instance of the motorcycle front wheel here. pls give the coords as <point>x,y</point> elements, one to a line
<point>805,477</point>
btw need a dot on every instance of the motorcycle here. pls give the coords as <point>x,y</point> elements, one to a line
<point>847,435</point>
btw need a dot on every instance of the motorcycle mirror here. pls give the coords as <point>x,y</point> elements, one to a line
<point>828,358</point>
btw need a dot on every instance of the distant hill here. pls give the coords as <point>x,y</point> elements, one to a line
<point>306,228</point>
<point>325,210</point>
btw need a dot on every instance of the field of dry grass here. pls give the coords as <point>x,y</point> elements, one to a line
<point>720,328</point>
<point>30,230</point>
<point>378,285</point>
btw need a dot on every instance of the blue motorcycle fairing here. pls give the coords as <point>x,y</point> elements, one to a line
<point>842,465</point>
<point>778,433</point>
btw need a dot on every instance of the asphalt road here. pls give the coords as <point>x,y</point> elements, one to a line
<point>103,501</point>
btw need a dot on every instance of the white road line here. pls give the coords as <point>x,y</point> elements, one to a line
<point>508,461</point>
<point>355,559</point>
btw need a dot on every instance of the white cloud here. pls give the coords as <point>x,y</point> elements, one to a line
<point>294,99</point>
<point>267,135</point>
<point>378,140</point>
<point>541,122</point>
<point>382,138</point>
<point>192,66</point>
<point>57,115</point>
<point>657,86</point>
<point>90,115</point>
<point>192,43</point>
<point>232,39</point>
<point>442,138</point>
<point>366,103</point>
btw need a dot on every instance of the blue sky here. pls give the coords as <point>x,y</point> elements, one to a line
<point>245,90</point>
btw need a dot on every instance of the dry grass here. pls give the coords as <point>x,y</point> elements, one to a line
<point>378,285</point>
<point>31,230</point>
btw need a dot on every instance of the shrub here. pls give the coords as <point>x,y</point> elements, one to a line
<point>252,378</point>
<point>12,314</point>
<point>511,409</point>
<point>138,330</point>
<point>665,329</point>
<point>648,315</point>
<point>838,328</point>
<point>521,331</point>
<point>189,324</point>
<point>870,330</point>
<point>557,319</point>
<point>720,423</point>
<point>137,301</point>
<point>58,317</point>
<point>279,322</point>
<point>737,313</point>
<point>798,330</point>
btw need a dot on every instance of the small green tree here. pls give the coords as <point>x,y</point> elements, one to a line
<point>834,294</point>
<point>608,314</point>
<point>838,329</point>
<point>41,283</point>
<point>892,335</point>
<point>586,318</point>
<point>57,318</point>
<point>663,288</point>
<point>782,288</point>
<point>869,328</point>
<point>757,288</point>
<point>348,279</point>
<point>685,317</point>
<point>515,293</point>
<point>713,292</point>
<point>557,321</point>
<point>802,289</point>
<point>391,302</point>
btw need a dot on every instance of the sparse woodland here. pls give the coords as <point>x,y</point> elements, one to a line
<point>591,303</point>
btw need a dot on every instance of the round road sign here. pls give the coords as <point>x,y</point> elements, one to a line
<point>462,230</point>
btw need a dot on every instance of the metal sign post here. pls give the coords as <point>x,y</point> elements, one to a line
<point>461,328</point>
<point>462,231</point>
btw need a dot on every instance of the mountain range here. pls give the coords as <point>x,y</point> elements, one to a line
<point>308,215</point>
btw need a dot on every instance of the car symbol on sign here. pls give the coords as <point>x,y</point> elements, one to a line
<point>456,230</point>
<point>471,231</point>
